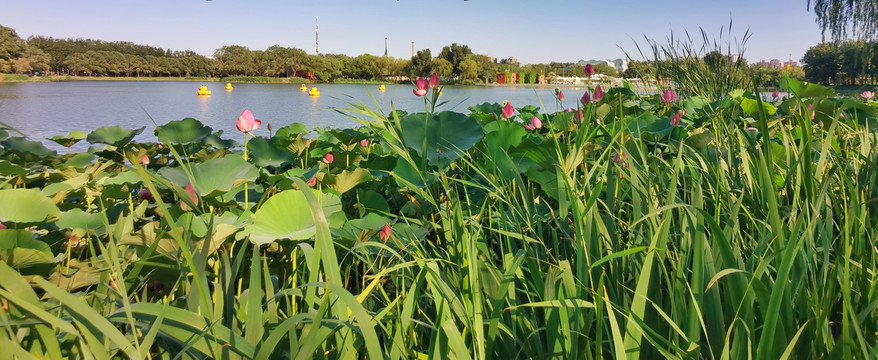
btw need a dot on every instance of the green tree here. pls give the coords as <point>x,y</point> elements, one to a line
<point>442,67</point>
<point>421,63</point>
<point>11,46</point>
<point>821,64</point>
<point>840,16</point>
<point>455,54</point>
<point>469,69</point>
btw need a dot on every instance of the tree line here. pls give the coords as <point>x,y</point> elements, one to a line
<point>842,63</point>
<point>837,62</point>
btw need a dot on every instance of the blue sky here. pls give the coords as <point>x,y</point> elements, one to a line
<point>532,31</point>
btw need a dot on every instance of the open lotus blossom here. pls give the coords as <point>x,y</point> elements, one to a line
<point>246,122</point>
<point>775,94</point>
<point>328,158</point>
<point>422,87</point>
<point>364,143</point>
<point>508,111</point>
<point>535,123</point>
<point>561,95</point>
<point>669,96</point>
<point>384,234</point>
<point>589,69</point>
<point>434,81</point>
<point>676,119</point>
<point>586,98</point>
<point>144,160</point>
<point>868,95</point>
<point>598,94</point>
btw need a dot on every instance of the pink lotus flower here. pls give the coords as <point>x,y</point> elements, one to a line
<point>434,81</point>
<point>598,94</point>
<point>868,95</point>
<point>422,87</point>
<point>569,110</point>
<point>312,181</point>
<point>561,95</point>
<point>364,143</point>
<point>2,227</point>
<point>669,96</point>
<point>246,122</point>
<point>586,98</point>
<point>328,158</point>
<point>535,123</point>
<point>192,196</point>
<point>589,69</point>
<point>508,111</point>
<point>144,160</point>
<point>384,234</point>
<point>676,119</point>
<point>621,158</point>
<point>775,94</point>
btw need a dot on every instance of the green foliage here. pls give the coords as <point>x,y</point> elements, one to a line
<point>744,231</point>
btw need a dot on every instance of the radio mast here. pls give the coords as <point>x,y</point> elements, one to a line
<point>316,36</point>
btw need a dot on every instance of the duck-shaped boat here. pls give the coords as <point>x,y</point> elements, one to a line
<point>202,91</point>
<point>303,88</point>
<point>314,92</point>
<point>229,86</point>
<point>381,88</point>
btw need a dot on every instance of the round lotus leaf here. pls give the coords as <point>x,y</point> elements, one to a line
<point>215,176</point>
<point>22,145</point>
<point>184,131</point>
<point>265,153</point>
<point>447,135</point>
<point>72,138</point>
<point>26,207</point>
<point>113,135</point>
<point>288,216</point>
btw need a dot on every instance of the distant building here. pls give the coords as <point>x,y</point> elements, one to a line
<point>619,64</point>
<point>510,60</point>
<point>777,64</point>
<point>790,63</point>
<point>502,79</point>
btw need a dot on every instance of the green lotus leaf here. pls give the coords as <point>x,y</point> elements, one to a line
<point>292,131</point>
<point>113,135</point>
<point>123,178</point>
<point>370,201</point>
<point>78,161</point>
<point>265,153</point>
<point>73,137</point>
<point>19,249</point>
<point>346,180</point>
<point>804,89</point>
<point>751,106</point>
<point>77,219</point>
<point>184,131</point>
<point>215,176</point>
<point>447,135</point>
<point>215,141</point>
<point>287,216</point>
<point>9,169</point>
<point>22,145</point>
<point>26,207</point>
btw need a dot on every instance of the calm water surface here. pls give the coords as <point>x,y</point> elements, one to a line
<point>43,110</point>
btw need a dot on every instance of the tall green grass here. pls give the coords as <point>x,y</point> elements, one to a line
<point>584,240</point>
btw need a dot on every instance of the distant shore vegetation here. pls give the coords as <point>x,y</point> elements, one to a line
<point>50,59</point>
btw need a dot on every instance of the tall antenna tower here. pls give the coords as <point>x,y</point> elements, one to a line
<point>316,35</point>
<point>385,47</point>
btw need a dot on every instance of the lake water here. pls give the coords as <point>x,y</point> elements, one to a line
<point>42,110</point>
